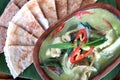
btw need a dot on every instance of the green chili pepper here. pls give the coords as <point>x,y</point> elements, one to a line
<point>96,42</point>
<point>62,45</point>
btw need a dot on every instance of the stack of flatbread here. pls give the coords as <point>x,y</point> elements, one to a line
<point>25,21</point>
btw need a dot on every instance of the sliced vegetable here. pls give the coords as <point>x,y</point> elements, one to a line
<point>81,13</point>
<point>77,55</point>
<point>58,30</point>
<point>107,22</point>
<point>63,45</point>
<point>54,65</point>
<point>86,24</point>
<point>51,62</point>
<point>96,42</point>
<point>82,34</point>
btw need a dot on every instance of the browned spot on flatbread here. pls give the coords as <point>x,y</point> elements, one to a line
<point>3,32</point>
<point>8,14</point>
<point>35,28</point>
<point>20,3</point>
<point>25,54</point>
<point>73,5</point>
<point>31,6</point>
<point>42,1</point>
<point>22,58</point>
<point>61,7</point>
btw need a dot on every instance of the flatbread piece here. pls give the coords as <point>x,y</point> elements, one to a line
<point>73,5</point>
<point>61,7</point>
<point>38,14</point>
<point>8,14</point>
<point>49,9</point>
<point>20,3</point>
<point>18,58</point>
<point>18,36</point>
<point>86,2</point>
<point>27,21</point>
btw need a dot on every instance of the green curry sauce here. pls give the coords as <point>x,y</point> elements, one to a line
<point>101,22</point>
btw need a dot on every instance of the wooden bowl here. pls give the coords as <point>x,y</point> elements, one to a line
<point>36,53</point>
<point>118,4</point>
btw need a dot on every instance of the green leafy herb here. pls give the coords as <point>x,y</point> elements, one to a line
<point>94,38</point>
<point>62,45</point>
<point>96,42</point>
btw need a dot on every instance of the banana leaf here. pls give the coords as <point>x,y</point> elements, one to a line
<point>111,2</point>
<point>30,72</point>
<point>3,4</point>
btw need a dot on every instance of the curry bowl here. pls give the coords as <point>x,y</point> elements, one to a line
<point>84,45</point>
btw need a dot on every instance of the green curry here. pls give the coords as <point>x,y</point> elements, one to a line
<point>82,46</point>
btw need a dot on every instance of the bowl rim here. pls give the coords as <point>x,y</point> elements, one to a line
<point>38,44</point>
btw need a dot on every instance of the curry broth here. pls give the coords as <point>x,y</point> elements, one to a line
<point>96,21</point>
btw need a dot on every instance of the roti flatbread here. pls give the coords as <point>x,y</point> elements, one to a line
<point>18,58</point>
<point>8,14</point>
<point>20,3</point>
<point>86,2</point>
<point>61,7</point>
<point>49,9</point>
<point>73,5</point>
<point>18,36</point>
<point>27,21</point>
<point>38,14</point>
<point>3,32</point>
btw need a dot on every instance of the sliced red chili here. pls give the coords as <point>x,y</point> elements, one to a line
<point>77,56</point>
<point>81,13</point>
<point>74,54</point>
<point>58,30</point>
<point>82,34</point>
<point>107,22</point>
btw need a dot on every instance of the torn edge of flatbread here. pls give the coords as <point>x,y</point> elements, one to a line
<point>38,14</point>
<point>27,21</point>
<point>18,58</point>
<point>8,14</point>
<point>61,7</point>
<point>73,5</point>
<point>3,34</point>
<point>49,9</point>
<point>18,36</point>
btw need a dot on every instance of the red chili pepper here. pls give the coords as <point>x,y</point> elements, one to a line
<point>76,56</point>
<point>107,22</point>
<point>81,13</point>
<point>82,34</point>
<point>57,30</point>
